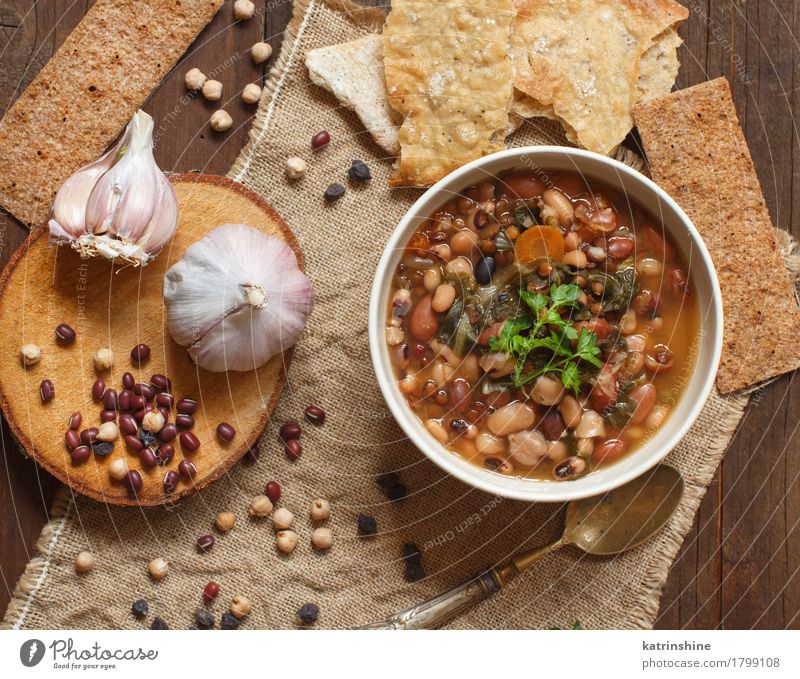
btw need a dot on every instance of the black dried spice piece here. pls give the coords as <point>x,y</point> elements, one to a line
<point>102,448</point>
<point>334,192</point>
<point>204,619</point>
<point>139,608</point>
<point>229,621</point>
<point>413,560</point>
<point>411,553</point>
<point>387,480</point>
<point>397,492</point>
<point>367,525</point>
<point>147,438</point>
<point>308,613</point>
<point>359,171</point>
<point>158,623</point>
<point>414,572</point>
<point>392,486</point>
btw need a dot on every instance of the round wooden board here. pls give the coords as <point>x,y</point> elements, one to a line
<point>43,286</point>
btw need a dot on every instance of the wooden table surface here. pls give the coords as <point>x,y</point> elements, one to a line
<point>738,567</point>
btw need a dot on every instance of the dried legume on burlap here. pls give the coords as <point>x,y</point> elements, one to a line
<point>458,530</point>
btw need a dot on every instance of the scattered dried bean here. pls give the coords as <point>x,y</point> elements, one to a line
<point>65,334</point>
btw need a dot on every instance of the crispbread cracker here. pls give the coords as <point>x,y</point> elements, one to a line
<point>353,73</point>
<point>658,69</point>
<point>581,59</point>
<point>448,73</point>
<point>697,152</point>
<point>85,95</point>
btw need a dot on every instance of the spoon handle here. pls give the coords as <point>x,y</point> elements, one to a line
<point>441,609</point>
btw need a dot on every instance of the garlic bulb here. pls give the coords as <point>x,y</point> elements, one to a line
<point>236,299</point>
<point>121,206</point>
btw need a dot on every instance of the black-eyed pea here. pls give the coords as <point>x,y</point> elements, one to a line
<point>443,298</point>
<point>471,432</point>
<point>511,418</point>
<point>569,467</point>
<point>571,411</point>
<point>431,279</point>
<point>437,430</point>
<point>557,451</point>
<point>500,466</point>
<point>575,258</point>
<point>590,426</point>
<point>442,251</point>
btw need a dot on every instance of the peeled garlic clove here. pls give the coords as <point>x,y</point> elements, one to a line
<point>236,299</point>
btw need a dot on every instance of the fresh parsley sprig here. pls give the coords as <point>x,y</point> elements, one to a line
<point>543,328</point>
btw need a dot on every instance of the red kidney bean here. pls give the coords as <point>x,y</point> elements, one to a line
<point>65,334</point>
<point>170,481</point>
<point>133,482</point>
<point>320,139</point>
<point>460,395</point>
<point>552,425</point>
<point>168,432</point>
<point>127,424</point>
<point>128,380</point>
<point>145,390</point>
<point>315,415</point>
<point>138,402</point>
<point>599,326</point>
<point>210,592</point>
<point>110,399</point>
<point>187,406</point>
<point>189,441</point>
<point>72,439</point>
<point>187,469</point>
<point>273,491</point>
<point>620,248</point>
<point>165,453</point>
<point>88,435</point>
<point>47,391</point>
<point>605,390</point>
<point>134,443</point>
<point>147,457</point>
<point>184,421</point>
<point>161,382</point>
<point>645,396</point>
<point>80,454</point>
<point>205,543</point>
<point>225,432</point>
<point>293,449</point>
<point>75,421</point>
<point>98,389</point>
<point>125,399</point>
<point>165,400</point>
<point>424,320</point>
<point>289,431</point>
<point>108,415</point>
<point>140,353</point>
<point>609,450</point>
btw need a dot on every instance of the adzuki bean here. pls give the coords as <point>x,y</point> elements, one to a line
<point>140,353</point>
<point>75,421</point>
<point>273,491</point>
<point>188,406</point>
<point>210,592</point>
<point>124,399</point>
<point>65,334</point>
<point>168,432</point>
<point>134,443</point>
<point>293,449</point>
<point>110,399</point>
<point>161,382</point>
<point>128,381</point>
<point>127,424</point>
<point>225,431</point>
<point>184,421</point>
<point>145,390</point>
<point>189,441</point>
<point>98,389</point>
<point>80,454</point>
<point>46,391</point>
<point>72,439</point>
<point>289,431</point>
<point>205,543</point>
<point>147,457</point>
<point>165,453</point>
<point>320,139</point>
<point>108,415</point>
<point>138,402</point>
<point>315,415</point>
<point>170,481</point>
<point>187,469</point>
<point>165,400</point>
<point>133,482</point>
<point>88,435</point>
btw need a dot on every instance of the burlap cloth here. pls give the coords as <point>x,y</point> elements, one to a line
<point>459,530</point>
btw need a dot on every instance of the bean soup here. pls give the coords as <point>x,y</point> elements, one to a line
<point>541,325</point>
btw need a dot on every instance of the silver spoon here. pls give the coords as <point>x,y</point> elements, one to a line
<point>603,525</point>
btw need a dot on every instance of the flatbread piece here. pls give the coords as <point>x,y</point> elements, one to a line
<point>449,75</point>
<point>697,152</point>
<point>580,61</point>
<point>86,94</point>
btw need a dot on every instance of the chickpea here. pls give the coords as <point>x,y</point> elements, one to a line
<point>158,568</point>
<point>84,562</point>
<point>103,359</point>
<point>565,212</point>
<point>320,510</point>
<point>260,506</point>
<point>153,421</point>
<point>225,521</point>
<point>463,242</point>
<point>282,519</point>
<point>322,538</point>
<point>212,90</point>
<point>394,335</point>
<point>575,258</point>
<point>251,93</point>
<point>240,606</point>
<point>295,168</point>
<point>194,79</point>
<point>431,279</point>
<point>108,432</point>
<point>243,9</point>
<point>443,298</point>
<point>286,541</point>
<point>260,52</point>
<point>220,121</point>
<point>117,469</point>
<point>30,354</point>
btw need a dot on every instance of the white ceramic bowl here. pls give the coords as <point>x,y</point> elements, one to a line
<point>705,288</point>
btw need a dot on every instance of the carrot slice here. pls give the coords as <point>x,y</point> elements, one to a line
<point>540,242</point>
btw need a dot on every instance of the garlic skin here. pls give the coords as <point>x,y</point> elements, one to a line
<point>122,206</point>
<point>236,299</point>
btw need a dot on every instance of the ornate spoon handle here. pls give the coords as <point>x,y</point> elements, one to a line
<point>441,609</point>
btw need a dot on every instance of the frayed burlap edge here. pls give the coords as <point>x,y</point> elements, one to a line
<point>643,616</point>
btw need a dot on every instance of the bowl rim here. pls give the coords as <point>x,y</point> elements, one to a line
<point>446,459</point>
